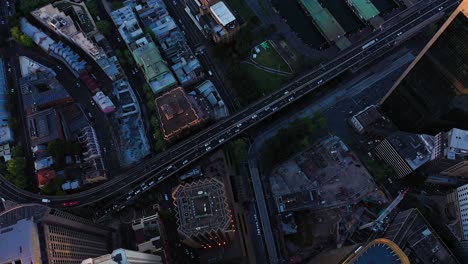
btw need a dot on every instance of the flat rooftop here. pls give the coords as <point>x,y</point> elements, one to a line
<point>326,23</point>
<point>413,148</point>
<point>201,206</point>
<point>368,116</point>
<point>22,243</point>
<point>365,8</point>
<point>222,13</point>
<point>176,112</point>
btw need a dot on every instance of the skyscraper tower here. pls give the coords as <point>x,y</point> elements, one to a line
<point>35,233</point>
<point>432,94</point>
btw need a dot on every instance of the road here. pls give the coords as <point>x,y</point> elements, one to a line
<point>155,169</point>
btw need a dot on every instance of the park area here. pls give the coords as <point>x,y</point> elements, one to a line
<point>266,55</point>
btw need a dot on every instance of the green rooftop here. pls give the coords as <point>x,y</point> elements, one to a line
<point>366,10</point>
<point>149,58</point>
<point>326,23</point>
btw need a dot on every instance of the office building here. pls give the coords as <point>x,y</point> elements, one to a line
<point>203,214</point>
<point>147,230</point>
<point>450,154</point>
<point>432,94</point>
<point>365,119</point>
<point>35,233</point>
<point>456,214</point>
<point>405,152</point>
<point>124,256</point>
<point>221,21</point>
<point>378,251</point>
<point>415,236</point>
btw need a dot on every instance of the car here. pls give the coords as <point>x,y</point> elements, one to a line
<point>151,183</point>
<point>254,116</point>
<point>59,67</point>
<point>320,81</point>
<point>221,140</point>
<point>93,103</point>
<point>169,167</point>
<point>210,73</point>
<point>390,180</point>
<point>45,200</point>
<point>208,148</point>
<point>166,197</point>
<point>207,144</point>
<point>72,203</point>
<point>160,178</point>
<point>236,131</point>
<point>267,108</point>
<point>77,84</point>
<point>98,18</point>
<point>137,191</point>
<point>285,93</point>
<point>145,187</point>
<point>274,109</point>
<point>291,98</point>
<point>184,162</point>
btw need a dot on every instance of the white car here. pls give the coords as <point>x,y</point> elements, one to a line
<point>208,148</point>
<point>185,162</point>
<point>45,200</point>
<point>221,140</point>
<point>254,116</point>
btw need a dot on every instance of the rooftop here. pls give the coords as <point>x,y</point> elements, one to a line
<point>326,23</point>
<point>23,242</point>
<point>366,117</point>
<point>382,251</point>
<point>413,148</point>
<point>44,126</point>
<point>222,13</point>
<point>176,112</point>
<point>365,8</point>
<point>458,140</point>
<point>202,207</point>
<point>415,236</point>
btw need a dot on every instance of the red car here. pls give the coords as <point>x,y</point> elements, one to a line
<point>71,203</point>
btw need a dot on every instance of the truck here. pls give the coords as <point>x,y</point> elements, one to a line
<point>368,44</point>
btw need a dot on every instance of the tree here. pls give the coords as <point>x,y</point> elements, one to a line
<point>27,6</point>
<point>13,123</point>
<point>26,41</point>
<point>92,7</point>
<point>17,152</point>
<point>104,27</point>
<point>15,32</point>
<point>116,5</point>
<point>56,149</point>
<point>16,172</point>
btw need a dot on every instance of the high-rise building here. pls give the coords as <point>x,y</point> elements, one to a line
<point>450,154</point>
<point>405,152</point>
<point>377,251</point>
<point>432,94</point>
<point>203,214</point>
<point>35,233</point>
<point>124,256</point>
<point>456,212</point>
<point>415,236</point>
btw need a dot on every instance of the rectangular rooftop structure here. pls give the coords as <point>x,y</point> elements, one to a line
<point>364,8</point>
<point>222,13</point>
<point>326,23</point>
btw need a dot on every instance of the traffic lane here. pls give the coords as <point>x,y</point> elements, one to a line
<point>109,183</point>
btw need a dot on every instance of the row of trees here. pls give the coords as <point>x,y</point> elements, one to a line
<point>160,144</point>
<point>125,58</point>
<point>16,168</point>
<point>21,38</point>
<point>299,135</point>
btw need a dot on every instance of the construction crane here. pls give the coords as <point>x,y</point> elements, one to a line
<point>377,224</point>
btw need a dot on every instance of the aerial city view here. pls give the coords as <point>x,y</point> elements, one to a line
<point>233,131</point>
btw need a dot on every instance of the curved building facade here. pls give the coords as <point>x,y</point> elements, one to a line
<point>382,251</point>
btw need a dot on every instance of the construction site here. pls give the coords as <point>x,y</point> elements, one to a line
<point>323,196</point>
